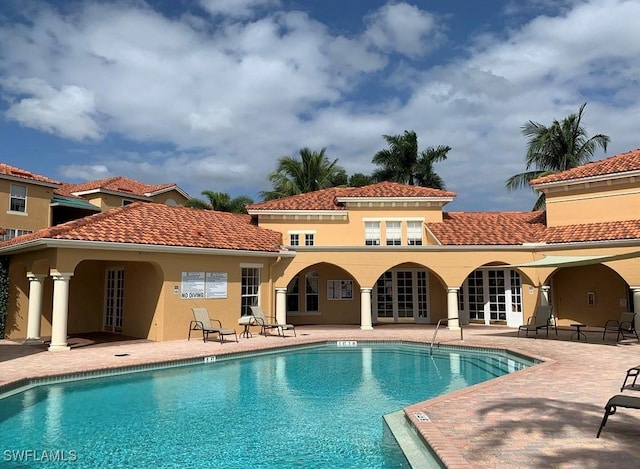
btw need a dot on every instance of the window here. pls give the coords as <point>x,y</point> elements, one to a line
<point>312,287</point>
<point>294,239</point>
<point>372,233</point>
<point>10,233</point>
<point>308,239</point>
<point>340,290</point>
<point>414,233</point>
<point>394,235</point>
<point>249,288</point>
<point>18,200</point>
<point>293,295</point>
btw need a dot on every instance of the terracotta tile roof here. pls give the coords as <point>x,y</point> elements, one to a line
<point>325,199</point>
<point>624,162</point>
<point>609,231</point>
<point>115,184</point>
<point>489,228</point>
<point>157,224</point>
<point>9,170</point>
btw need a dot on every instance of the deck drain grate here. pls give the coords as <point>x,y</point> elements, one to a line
<point>421,417</point>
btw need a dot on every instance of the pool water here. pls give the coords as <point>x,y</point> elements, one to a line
<point>311,407</point>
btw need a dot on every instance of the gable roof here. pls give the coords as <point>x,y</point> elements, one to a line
<point>122,185</point>
<point>488,228</point>
<point>331,198</point>
<point>14,173</point>
<point>161,225</point>
<point>618,164</point>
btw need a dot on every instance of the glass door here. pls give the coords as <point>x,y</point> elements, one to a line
<point>114,300</point>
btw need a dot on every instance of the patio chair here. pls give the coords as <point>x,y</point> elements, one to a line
<point>624,327</point>
<point>202,322</point>
<point>270,322</point>
<point>619,400</point>
<point>543,318</point>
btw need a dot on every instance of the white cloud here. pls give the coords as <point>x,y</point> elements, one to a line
<point>68,111</point>
<point>84,172</point>
<point>236,8</point>
<point>403,28</point>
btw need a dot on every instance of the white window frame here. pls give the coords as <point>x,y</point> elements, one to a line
<point>249,292</point>
<point>372,233</point>
<point>294,239</point>
<point>10,233</point>
<point>309,239</point>
<point>393,232</point>
<point>414,233</point>
<point>13,196</point>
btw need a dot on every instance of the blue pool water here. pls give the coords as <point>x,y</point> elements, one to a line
<point>312,407</point>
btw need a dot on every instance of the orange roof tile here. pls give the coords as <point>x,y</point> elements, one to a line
<point>115,184</point>
<point>609,231</point>
<point>161,225</point>
<point>9,170</point>
<point>489,228</point>
<point>325,199</point>
<point>622,163</point>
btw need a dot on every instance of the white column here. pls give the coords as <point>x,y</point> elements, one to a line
<point>281,305</point>
<point>452,308</point>
<point>365,309</point>
<point>60,311</point>
<point>544,295</point>
<point>636,299</point>
<point>34,315</point>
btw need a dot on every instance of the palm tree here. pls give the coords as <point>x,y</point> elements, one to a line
<point>559,147</point>
<point>221,201</point>
<point>402,163</point>
<point>313,171</point>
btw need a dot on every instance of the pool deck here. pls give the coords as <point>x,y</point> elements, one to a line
<point>543,416</point>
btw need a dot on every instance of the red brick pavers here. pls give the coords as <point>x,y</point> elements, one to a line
<point>543,416</point>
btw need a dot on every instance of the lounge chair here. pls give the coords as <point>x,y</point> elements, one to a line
<point>625,327</point>
<point>542,319</point>
<point>270,322</point>
<point>202,322</point>
<point>619,400</point>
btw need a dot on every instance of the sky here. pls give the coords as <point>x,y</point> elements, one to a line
<point>208,94</point>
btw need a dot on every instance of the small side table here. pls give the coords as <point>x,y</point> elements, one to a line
<point>247,322</point>
<point>578,332</point>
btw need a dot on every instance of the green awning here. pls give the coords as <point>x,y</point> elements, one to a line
<point>568,261</point>
<point>61,201</point>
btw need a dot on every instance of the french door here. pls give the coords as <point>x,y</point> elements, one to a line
<point>113,299</point>
<point>492,296</point>
<point>402,295</point>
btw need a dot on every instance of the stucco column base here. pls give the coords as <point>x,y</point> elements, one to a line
<point>33,342</point>
<point>366,328</point>
<point>58,348</point>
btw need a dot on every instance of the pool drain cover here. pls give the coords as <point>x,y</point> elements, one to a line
<point>421,416</point>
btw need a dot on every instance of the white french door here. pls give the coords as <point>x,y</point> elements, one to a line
<point>402,295</point>
<point>492,296</point>
<point>113,299</point>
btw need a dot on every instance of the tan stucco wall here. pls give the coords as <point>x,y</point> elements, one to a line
<point>38,211</point>
<point>350,231</point>
<point>593,205</point>
<point>173,194</point>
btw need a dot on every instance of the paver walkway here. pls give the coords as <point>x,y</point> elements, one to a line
<point>544,416</point>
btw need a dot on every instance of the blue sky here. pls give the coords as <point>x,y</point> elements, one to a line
<point>210,93</point>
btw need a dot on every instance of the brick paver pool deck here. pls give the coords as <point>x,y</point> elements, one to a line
<point>543,416</point>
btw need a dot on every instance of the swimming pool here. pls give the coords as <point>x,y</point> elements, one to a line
<point>314,407</point>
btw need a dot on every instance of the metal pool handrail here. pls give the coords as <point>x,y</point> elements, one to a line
<point>438,327</point>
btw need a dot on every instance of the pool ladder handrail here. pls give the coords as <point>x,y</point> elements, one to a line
<point>438,327</point>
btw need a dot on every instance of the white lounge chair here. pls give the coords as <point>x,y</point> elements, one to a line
<point>202,322</point>
<point>270,322</point>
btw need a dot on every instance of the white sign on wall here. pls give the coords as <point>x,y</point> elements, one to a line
<point>203,285</point>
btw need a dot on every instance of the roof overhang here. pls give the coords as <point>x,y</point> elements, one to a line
<point>406,201</point>
<point>27,180</point>
<point>127,195</point>
<point>168,189</point>
<point>48,243</point>
<point>601,178</point>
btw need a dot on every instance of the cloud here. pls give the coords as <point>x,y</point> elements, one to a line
<point>85,172</point>
<point>225,94</point>
<point>68,111</point>
<point>403,28</point>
